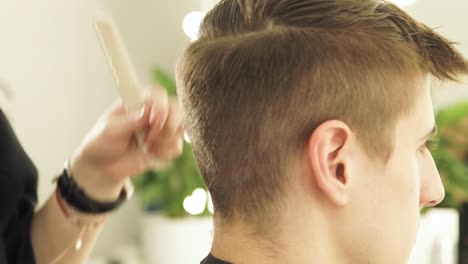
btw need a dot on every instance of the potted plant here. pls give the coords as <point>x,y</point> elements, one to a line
<point>451,158</point>
<point>177,224</point>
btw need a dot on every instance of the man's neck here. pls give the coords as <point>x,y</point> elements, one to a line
<point>289,243</point>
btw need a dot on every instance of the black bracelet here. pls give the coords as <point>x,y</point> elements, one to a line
<point>77,198</point>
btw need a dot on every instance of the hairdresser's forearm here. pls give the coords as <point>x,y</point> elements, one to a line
<point>53,234</point>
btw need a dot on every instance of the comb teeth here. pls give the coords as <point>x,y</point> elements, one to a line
<point>122,68</point>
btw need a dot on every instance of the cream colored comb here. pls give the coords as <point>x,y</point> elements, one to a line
<point>124,73</point>
<point>122,68</point>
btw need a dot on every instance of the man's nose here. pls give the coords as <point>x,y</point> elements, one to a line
<point>432,189</point>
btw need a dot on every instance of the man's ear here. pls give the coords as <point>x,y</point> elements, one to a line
<point>329,159</point>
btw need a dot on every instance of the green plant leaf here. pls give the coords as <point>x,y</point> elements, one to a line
<point>165,80</point>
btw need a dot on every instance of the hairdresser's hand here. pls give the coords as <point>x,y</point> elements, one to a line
<point>109,153</point>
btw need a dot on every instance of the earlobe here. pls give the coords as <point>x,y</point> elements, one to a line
<point>328,160</point>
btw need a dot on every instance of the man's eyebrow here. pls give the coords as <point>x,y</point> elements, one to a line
<point>431,133</point>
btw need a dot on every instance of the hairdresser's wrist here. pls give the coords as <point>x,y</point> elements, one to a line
<point>93,181</point>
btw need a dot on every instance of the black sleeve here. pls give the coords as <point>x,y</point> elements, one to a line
<point>18,197</point>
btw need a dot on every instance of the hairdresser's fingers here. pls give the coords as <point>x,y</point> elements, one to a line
<point>170,126</point>
<point>118,108</point>
<point>127,126</point>
<point>168,149</point>
<point>174,119</point>
<point>158,100</point>
<point>161,140</point>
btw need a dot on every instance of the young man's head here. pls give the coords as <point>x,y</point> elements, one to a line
<point>309,121</point>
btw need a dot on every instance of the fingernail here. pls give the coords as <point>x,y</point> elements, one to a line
<point>138,115</point>
<point>142,112</point>
<point>160,123</point>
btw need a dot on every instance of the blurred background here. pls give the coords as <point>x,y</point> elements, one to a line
<point>55,81</point>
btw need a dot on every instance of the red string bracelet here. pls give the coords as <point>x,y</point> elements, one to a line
<point>60,203</point>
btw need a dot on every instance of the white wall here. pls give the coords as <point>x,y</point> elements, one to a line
<point>450,17</point>
<point>51,59</point>
<point>152,31</point>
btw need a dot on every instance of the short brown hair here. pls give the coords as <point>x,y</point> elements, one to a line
<point>265,73</point>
